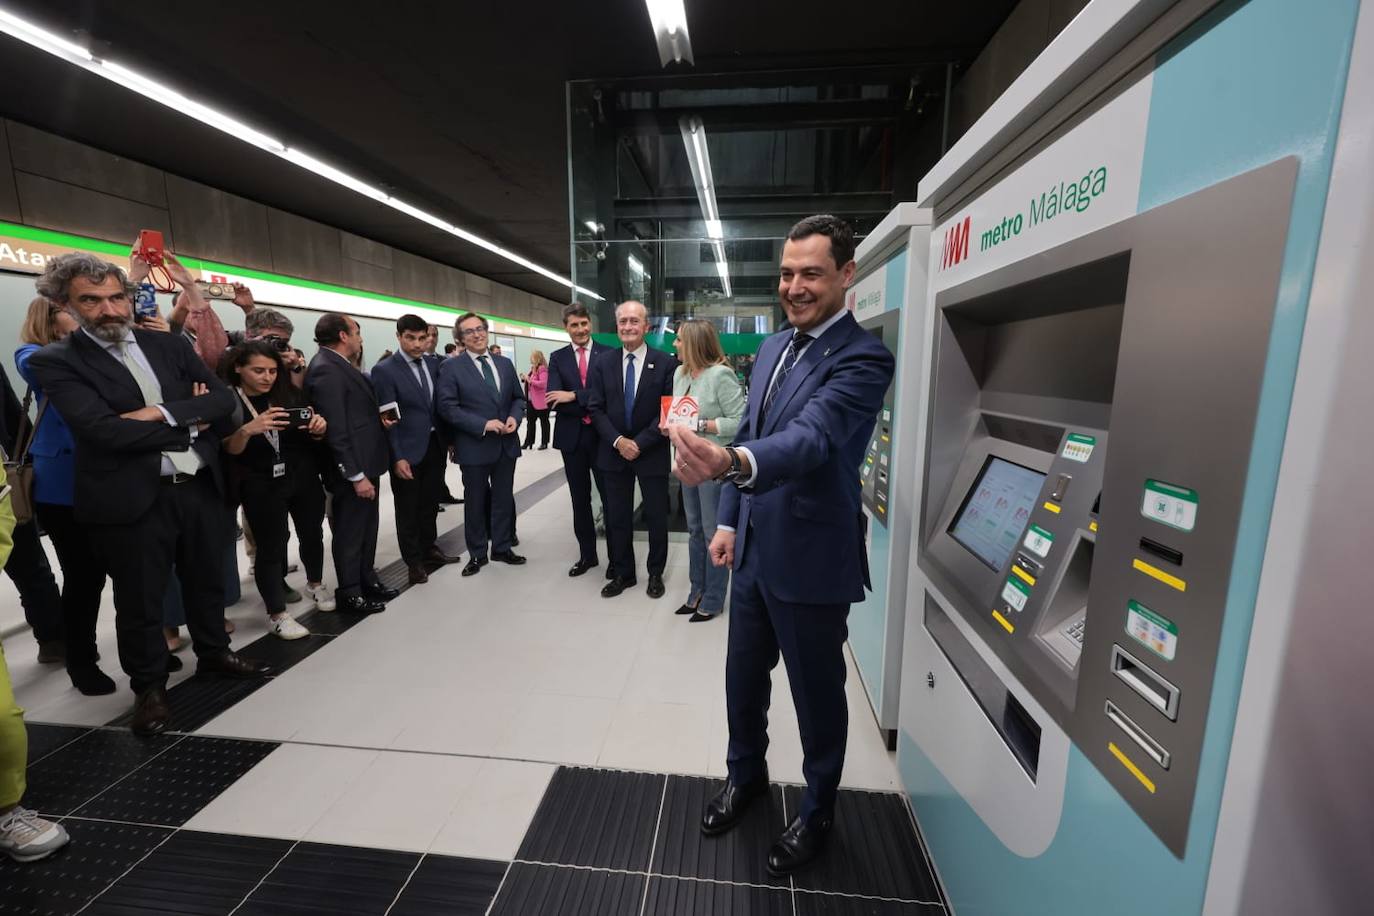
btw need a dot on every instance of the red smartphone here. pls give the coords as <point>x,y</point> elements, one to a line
<point>151,247</point>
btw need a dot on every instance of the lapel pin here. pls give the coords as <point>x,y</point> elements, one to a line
<point>826,353</point>
<point>648,365</point>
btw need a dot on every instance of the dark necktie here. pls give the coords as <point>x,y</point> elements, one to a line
<point>629,390</point>
<point>424,378</point>
<point>487,373</point>
<point>789,361</point>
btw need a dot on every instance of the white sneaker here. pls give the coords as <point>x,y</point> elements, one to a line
<point>322,596</point>
<point>286,627</point>
<point>28,838</point>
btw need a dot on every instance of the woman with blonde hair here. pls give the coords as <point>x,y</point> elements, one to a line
<point>706,376</point>
<point>537,382</point>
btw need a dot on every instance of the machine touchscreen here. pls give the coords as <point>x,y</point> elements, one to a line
<point>996,510</point>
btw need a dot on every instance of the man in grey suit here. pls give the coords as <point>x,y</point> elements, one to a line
<point>481,400</point>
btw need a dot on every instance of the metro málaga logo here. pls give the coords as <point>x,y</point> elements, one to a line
<point>956,244</point>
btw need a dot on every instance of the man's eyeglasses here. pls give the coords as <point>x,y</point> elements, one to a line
<point>469,332</point>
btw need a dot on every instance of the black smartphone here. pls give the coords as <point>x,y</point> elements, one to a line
<point>300,417</point>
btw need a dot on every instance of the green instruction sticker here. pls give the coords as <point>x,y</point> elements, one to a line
<point>1156,633</point>
<point>1170,505</point>
<point>1078,448</point>
<point>1038,541</point>
<point>1015,593</point>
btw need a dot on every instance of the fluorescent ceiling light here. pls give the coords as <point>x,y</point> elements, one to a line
<point>715,229</point>
<point>635,266</point>
<point>165,95</point>
<point>699,160</point>
<point>592,226</point>
<point>669,19</point>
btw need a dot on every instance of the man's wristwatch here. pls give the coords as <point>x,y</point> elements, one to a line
<point>733,472</point>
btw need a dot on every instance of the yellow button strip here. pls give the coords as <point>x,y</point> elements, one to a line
<point>1092,526</point>
<point>1052,507</point>
<point>1023,575</point>
<point>1145,781</point>
<point>1006,624</point>
<point>1161,575</point>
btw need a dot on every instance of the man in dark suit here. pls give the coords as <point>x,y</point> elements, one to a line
<point>481,400</point>
<point>418,453</point>
<point>627,387</point>
<point>146,416</point>
<point>357,439</point>
<point>792,529</point>
<point>573,433</point>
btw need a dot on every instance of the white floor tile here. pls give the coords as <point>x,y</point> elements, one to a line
<point>285,794</point>
<point>557,729</point>
<point>659,738</point>
<point>491,817</point>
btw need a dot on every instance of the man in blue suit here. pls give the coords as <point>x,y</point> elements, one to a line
<point>419,456</point>
<point>573,434</point>
<point>480,398</point>
<point>791,527</point>
<point>627,387</point>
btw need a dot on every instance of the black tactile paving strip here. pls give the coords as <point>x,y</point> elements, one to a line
<point>316,878</point>
<point>595,818</point>
<point>450,886</point>
<point>872,851</point>
<point>44,739</point>
<point>283,653</point>
<point>329,623</point>
<point>63,883</point>
<point>739,855</point>
<point>192,874</point>
<point>809,904</point>
<point>542,890</point>
<point>197,700</point>
<point>171,788</point>
<point>72,775</point>
<point>679,897</point>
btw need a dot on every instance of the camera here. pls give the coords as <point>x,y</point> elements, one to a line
<point>282,344</point>
<point>299,417</point>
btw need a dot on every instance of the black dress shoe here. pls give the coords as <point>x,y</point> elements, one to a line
<point>729,804</point>
<point>52,651</point>
<point>415,574</point>
<point>231,664</point>
<point>438,557</point>
<point>509,556</point>
<point>151,712</point>
<point>450,501</point>
<point>616,586</point>
<point>474,566</point>
<point>90,680</point>
<point>688,608</point>
<point>655,589</point>
<point>360,605</point>
<point>799,844</point>
<point>380,592</point>
<point>582,566</point>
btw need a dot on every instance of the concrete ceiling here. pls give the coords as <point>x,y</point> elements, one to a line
<point>455,107</point>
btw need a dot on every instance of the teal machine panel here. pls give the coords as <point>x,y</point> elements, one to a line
<point>1117,313</point>
<point>888,298</point>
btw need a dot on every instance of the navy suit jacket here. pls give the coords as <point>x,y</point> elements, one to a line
<point>807,526</point>
<point>345,398</point>
<point>394,380</point>
<point>569,431</point>
<point>466,403</point>
<point>606,400</point>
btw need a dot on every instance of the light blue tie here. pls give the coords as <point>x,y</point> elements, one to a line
<point>629,391</point>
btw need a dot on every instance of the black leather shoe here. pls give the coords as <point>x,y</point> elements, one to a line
<point>174,664</point>
<point>450,501</point>
<point>799,844</point>
<point>415,574</point>
<point>509,556</point>
<point>90,680</point>
<point>474,566</point>
<point>729,804</point>
<point>380,592</point>
<point>151,712</point>
<point>231,664</point>
<point>439,558</point>
<point>616,586</point>
<point>357,604</point>
<point>582,566</point>
<point>655,589</point>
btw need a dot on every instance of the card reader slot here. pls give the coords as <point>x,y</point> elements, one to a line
<point>1156,691</point>
<point>1163,551</point>
<point>1150,746</point>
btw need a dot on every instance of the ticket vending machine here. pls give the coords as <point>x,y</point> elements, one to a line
<point>888,298</point>
<point>1122,259</point>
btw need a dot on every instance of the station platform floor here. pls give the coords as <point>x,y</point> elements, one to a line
<point>506,743</point>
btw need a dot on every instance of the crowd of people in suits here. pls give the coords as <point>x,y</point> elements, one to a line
<point>146,445</point>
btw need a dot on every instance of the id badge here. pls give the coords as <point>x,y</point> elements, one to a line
<point>279,469</point>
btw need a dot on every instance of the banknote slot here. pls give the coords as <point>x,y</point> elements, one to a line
<point>1154,689</point>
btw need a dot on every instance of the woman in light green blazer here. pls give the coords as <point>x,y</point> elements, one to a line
<point>708,378</point>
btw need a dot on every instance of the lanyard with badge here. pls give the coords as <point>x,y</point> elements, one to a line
<point>273,437</point>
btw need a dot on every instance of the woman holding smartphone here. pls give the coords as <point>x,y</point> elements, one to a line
<point>274,473</point>
<point>537,385</point>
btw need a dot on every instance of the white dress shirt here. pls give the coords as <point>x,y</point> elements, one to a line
<point>137,355</point>
<point>640,355</point>
<point>491,360</point>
